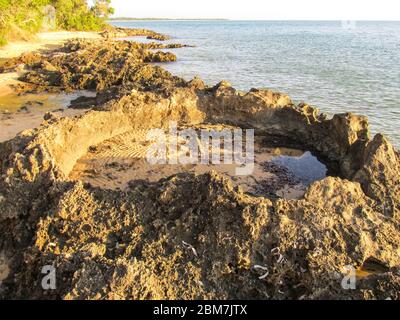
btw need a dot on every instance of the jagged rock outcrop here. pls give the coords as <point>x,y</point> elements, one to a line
<point>188,236</point>
<point>379,175</point>
<point>99,66</point>
<point>116,32</point>
<point>8,65</point>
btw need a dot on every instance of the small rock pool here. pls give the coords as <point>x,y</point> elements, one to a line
<point>120,161</point>
<point>20,112</point>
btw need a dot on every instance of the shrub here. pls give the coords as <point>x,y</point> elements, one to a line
<point>76,15</point>
<point>21,18</point>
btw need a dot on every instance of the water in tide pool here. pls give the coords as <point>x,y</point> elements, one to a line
<point>306,167</point>
<point>335,68</point>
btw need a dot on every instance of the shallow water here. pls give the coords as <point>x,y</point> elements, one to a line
<point>22,112</point>
<point>306,167</point>
<point>42,101</point>
<point>334,68</point>
<point>121,161</point>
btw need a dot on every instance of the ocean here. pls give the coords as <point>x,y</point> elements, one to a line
<point>337,67</point>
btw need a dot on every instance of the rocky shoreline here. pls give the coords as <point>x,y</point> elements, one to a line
<point>133,243</point>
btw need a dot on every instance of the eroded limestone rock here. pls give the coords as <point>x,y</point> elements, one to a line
<point>188,236</point>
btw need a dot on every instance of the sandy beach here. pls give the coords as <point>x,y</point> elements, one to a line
<point>13,123</point>
<point>43,42</point>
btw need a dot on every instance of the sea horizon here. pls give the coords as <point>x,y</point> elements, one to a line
<point>235,19</point>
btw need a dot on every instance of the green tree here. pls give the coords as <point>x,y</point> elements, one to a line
<point>76,15</point>
<point>21,18</point>
<point>102,8</point>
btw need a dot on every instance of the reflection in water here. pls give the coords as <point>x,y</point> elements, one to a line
<point>11,103</point>
<point>291,170</point>
<point>305,167</point>
<point>26,111</point>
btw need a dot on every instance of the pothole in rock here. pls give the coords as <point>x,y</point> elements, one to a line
<point>371,266</point>
<point>118,162</point>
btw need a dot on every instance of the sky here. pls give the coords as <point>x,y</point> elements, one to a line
<point>261,9</point>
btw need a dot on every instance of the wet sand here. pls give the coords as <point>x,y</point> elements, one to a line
<point>22,112</point>
<point>44,41</point>
<point>14,124</point>
<point>13,120</point>
<point>7,80</point>
<point>121,161</point>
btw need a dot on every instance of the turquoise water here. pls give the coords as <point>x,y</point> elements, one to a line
<point>334,68</point>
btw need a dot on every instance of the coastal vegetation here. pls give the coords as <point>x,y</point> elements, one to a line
<point>20,19</point>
